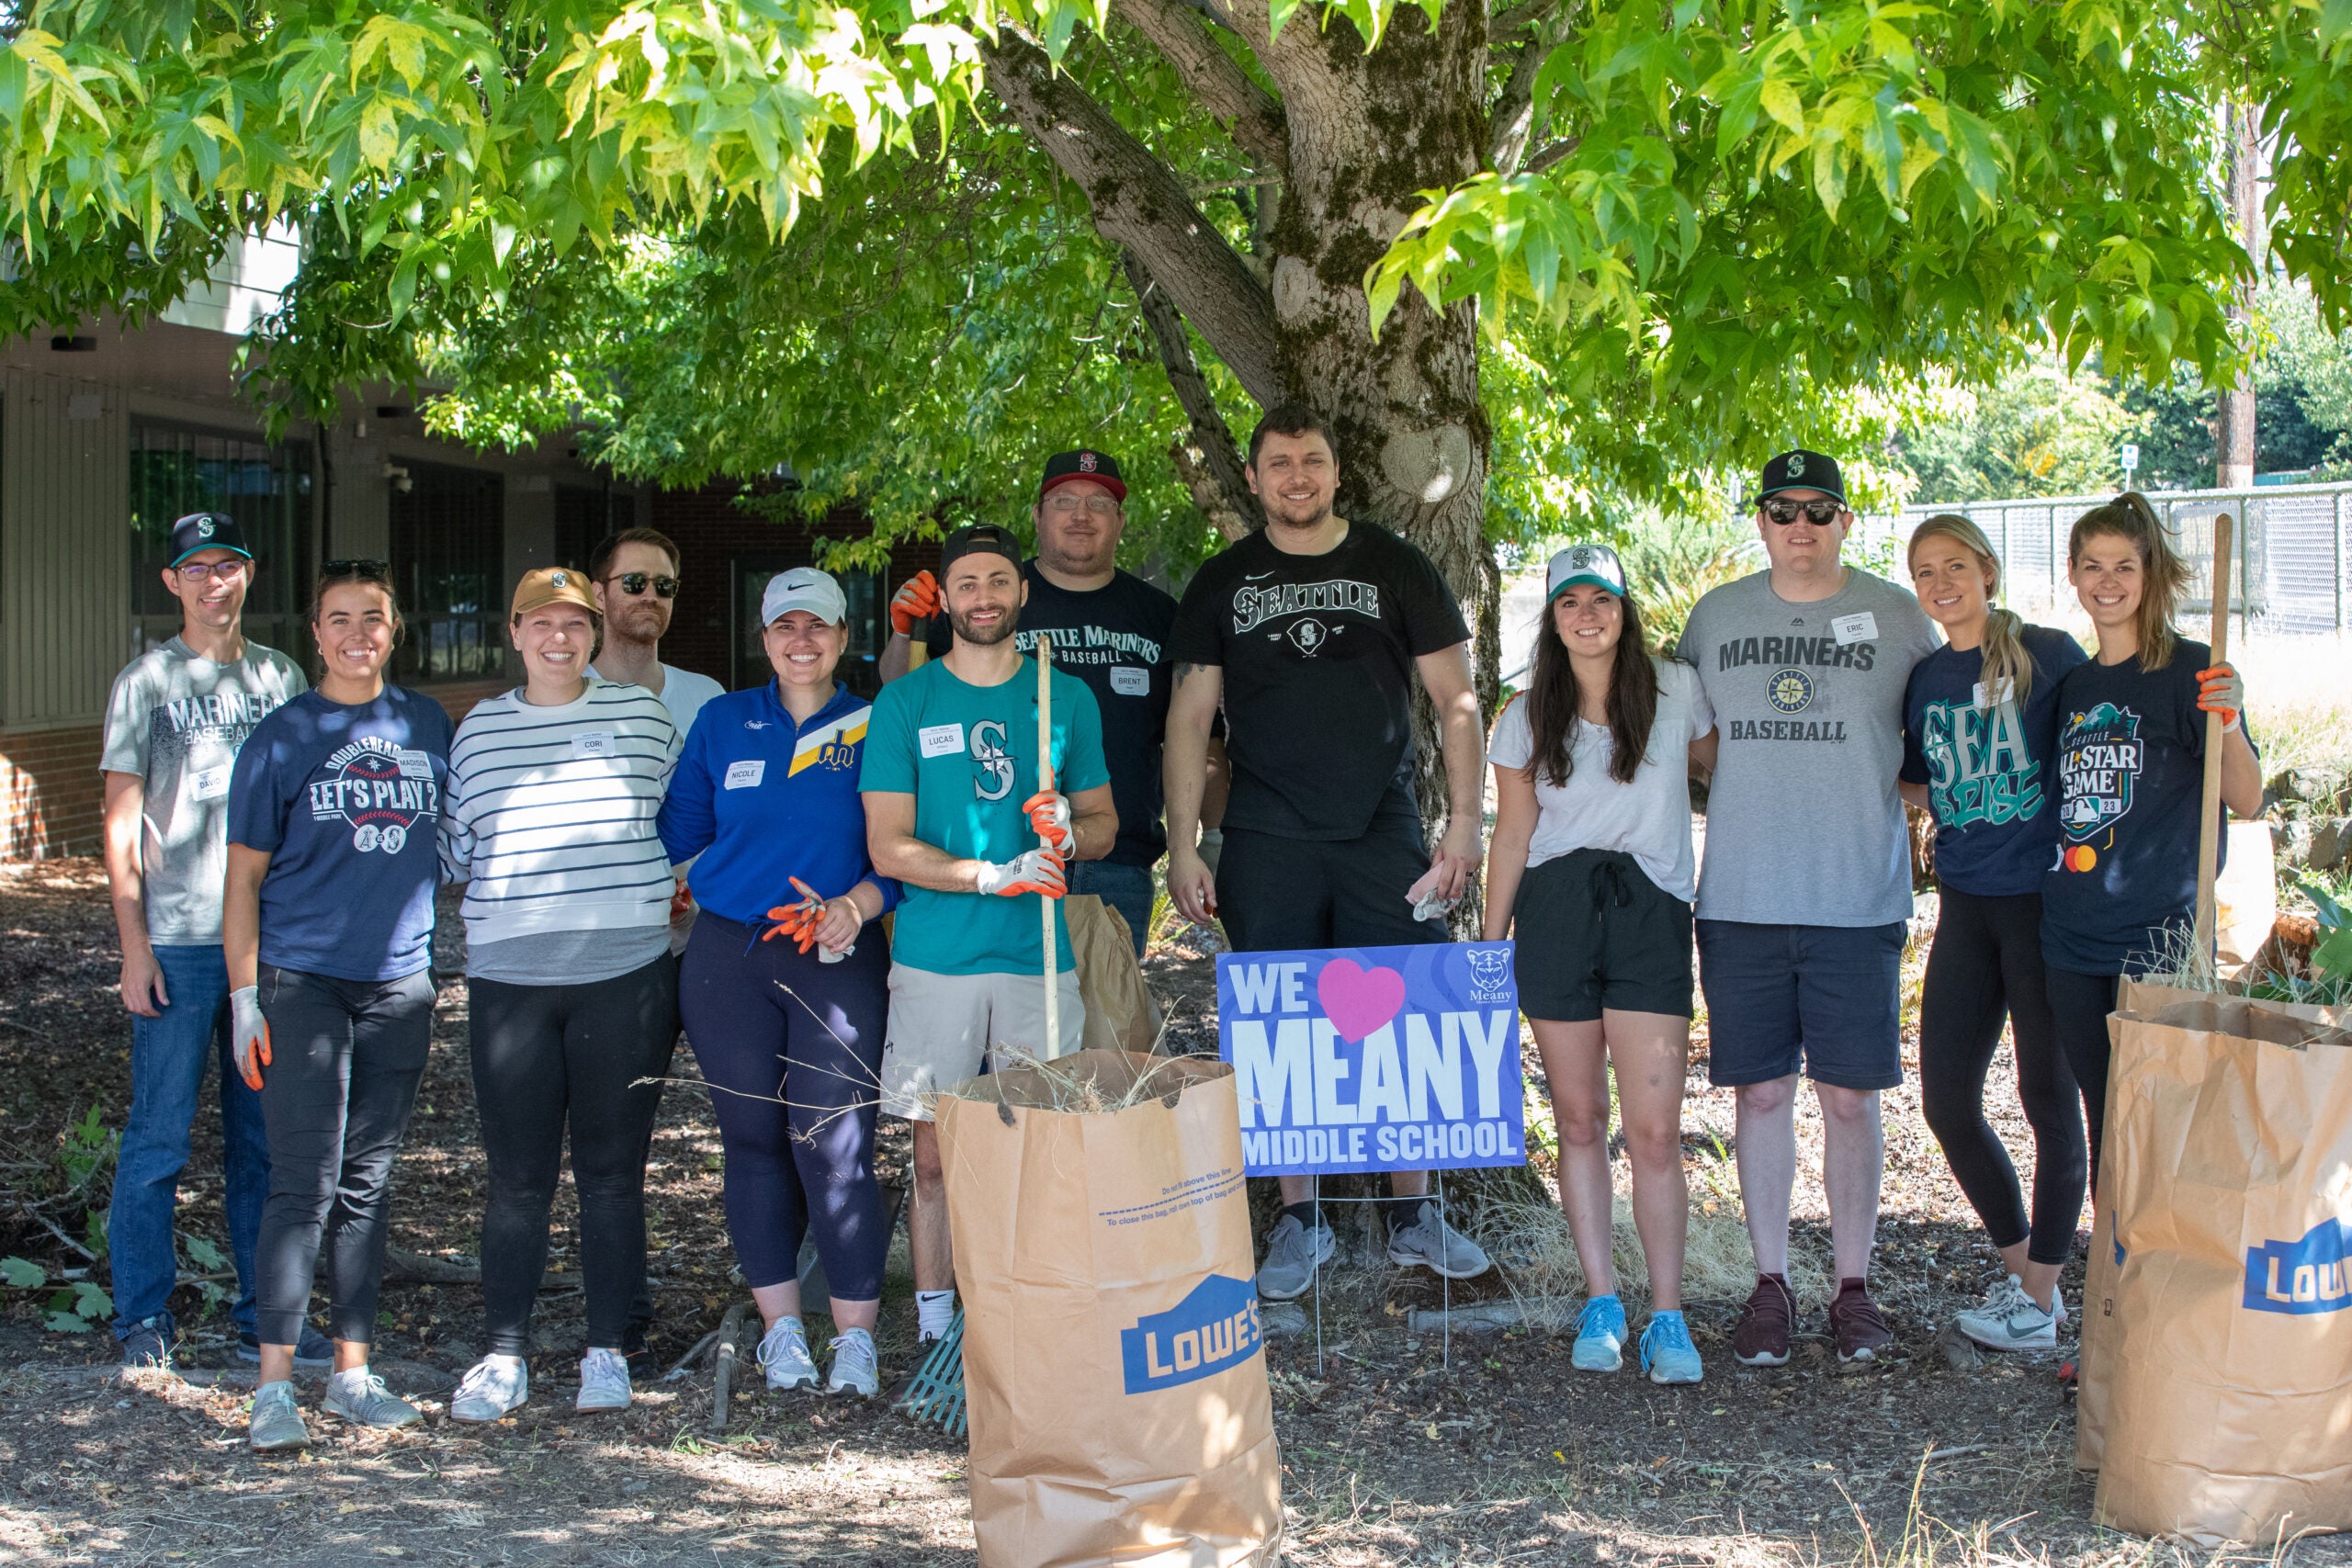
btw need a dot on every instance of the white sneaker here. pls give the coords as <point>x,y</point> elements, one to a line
<point>784,1356</point>
<point>853,1367</point>
<point>2009,1321</point>
<point>1429,1243</point>
<point>604,1382</point>
<point>494,1387</point>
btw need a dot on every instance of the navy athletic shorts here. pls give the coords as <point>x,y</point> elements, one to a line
<point>1826,1000</point>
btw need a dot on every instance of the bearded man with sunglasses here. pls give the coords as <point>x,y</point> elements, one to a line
<point>1804,884</point>
<point>635,575</point>
<point>175,721</point>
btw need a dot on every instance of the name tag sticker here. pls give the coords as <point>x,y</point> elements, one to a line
<point>747,775</point>
<point>593,743</point>
<point>211,783</point>
<point>1985,700</point>
<point>415,764</point>
<point>941,740</point>
<point>1859,627</point>
<point>1130,681</point>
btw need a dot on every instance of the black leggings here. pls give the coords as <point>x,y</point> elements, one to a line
<point>2081,1003</point>
<point>792,1050</point>
<point>345,1058</point>
<point>1987,961</point>
<point>545,1056</point>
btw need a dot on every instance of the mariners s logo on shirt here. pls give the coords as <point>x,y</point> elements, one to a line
<point>1789,690</point>
<point>383,790</point>
<point>2100,756</point>
<point>992,775</point>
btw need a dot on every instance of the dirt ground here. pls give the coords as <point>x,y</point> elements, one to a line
<point>1399,1447</point>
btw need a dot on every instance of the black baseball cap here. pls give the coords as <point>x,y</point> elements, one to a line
<point>207,531</point>
<point>1801,469</point>
<point>980,539</point>
<point>1083,464</point>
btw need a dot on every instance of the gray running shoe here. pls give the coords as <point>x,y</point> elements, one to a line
<point>276,1424</point>
<point>853,1367</point>
<point>2009,1321</point>
<point>147,1347</point>
<point>1291,1258</point>
<point>1429,1243</point>
<point>496,1387</point>
<point>604,1382</point>
<point>784,1356</point>
<point>361,1396</point>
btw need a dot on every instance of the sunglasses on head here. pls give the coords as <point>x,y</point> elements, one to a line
<point>635,583</point>
<point>1821,513</point>
<point>360,567</point>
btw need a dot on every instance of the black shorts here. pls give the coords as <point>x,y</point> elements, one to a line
<point>1283,894</point>
<point>1825,998</point>
<point>1594,931</point>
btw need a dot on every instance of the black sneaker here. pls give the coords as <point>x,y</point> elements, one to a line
<point>147,1347</point>
<point>313,1349</point>
<point>639,1354</point>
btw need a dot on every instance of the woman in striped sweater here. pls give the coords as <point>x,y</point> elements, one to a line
<point>554,788</point>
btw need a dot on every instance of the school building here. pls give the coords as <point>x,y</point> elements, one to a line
<point>109,434</point>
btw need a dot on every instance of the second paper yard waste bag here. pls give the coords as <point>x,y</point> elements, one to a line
<point>1114,1360</point>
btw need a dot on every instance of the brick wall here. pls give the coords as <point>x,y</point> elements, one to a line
<point>458,697</point>
<point>52,798</point>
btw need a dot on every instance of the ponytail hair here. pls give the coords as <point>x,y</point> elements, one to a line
<point>2129,516</point>
<point>2007,666</point>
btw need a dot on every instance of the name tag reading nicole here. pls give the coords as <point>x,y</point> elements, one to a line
<point>746,774</point>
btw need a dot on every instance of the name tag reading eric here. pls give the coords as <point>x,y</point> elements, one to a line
<point>211,783</point>
<point>747,775</point>
<point>593,743</point>
<point>1859,627</point>
<point>1129,682</point>
<point>941,740</point>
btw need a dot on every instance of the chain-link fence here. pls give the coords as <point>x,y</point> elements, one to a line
<point>2293,546</point>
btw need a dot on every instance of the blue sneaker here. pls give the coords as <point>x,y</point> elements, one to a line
<point>1667,1355</point>
<point>1600,1336</point>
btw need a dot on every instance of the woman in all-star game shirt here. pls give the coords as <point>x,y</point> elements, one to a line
<point>334,811</point>
<point>1980,726</point>
<point>2130,760</point>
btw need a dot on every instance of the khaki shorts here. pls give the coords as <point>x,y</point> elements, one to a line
<point>943,1026</point>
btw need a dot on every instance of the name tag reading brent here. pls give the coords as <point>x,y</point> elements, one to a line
<point>941,740</point>
<point>1859,627</point>
<point>593,743</point>
<point>1130,681</point>
<point>747,775</point>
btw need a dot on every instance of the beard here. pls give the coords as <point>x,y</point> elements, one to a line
<point>639,623</point>
<point>1278,512</point>
<point>984,636</point>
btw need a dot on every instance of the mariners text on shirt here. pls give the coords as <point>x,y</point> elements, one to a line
<point>1826,652</point>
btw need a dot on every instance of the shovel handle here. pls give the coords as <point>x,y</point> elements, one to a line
<point>2209,828</point>
<point>1045,781</point>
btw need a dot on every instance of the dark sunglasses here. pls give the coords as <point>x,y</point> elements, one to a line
<point>635,583</point>
<point>359,566</point>
<point>1821,513</point>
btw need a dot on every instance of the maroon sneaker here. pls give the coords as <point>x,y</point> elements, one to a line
<point>1760,1338</point>
<point>1855,1322</point>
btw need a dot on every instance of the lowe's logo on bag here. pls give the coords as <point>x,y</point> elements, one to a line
<point>2311,1275</point>
<point>1214,1327</point>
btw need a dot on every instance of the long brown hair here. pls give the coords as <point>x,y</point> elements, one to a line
<point>2129,516</point>
<point>2007,666</point>
<point>1553,701</point>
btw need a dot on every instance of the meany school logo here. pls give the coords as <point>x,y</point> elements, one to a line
<point>1215,1326</point>
<point>2099,755</point>
<point>1489,973</point>
<point>1980,767</point>
<point>382,790</point>
<point>2302,1277</point>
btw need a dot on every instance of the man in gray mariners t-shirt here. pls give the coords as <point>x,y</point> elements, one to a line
<point>175,721</point>
<point>1804,888</point>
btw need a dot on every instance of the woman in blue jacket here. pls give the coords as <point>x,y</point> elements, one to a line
<point>786,983</point>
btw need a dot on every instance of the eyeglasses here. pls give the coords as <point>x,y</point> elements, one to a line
<point>363,568</point>
<point>634,583</point>
<point>1820,514</point>
<point>1097,505</point>
<point>227,571</point>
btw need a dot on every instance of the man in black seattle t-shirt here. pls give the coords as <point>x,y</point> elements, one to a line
<point>1110,629</point>
<point>1308,633</point>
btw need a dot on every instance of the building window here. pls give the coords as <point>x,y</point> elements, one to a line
<point>176,469</point>
<point>449,564</point>
<point>585,518</point>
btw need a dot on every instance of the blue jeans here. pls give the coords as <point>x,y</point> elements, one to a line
<point>1126,888</point>
<point>169,1056</point>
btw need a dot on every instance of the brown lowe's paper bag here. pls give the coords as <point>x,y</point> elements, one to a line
<point>1120,1013</point>
<point>1113,1357</point>
<point>2246,896</point>
<point>2221,1354</point>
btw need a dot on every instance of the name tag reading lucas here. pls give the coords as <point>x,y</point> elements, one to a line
<point>1859,627</point>
<point>941,740</point>
<point>747,775</point>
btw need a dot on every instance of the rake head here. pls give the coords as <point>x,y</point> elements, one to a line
<point>933,1395</point>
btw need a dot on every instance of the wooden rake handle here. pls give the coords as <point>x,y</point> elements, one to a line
<point>2209,828</point>
<point>1053,1046</point>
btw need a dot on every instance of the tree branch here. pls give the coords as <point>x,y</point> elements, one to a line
<point>1553,152</point>
<point>1513,119</point>
<point>1223,89</point>
<point>1138,202</point>
<point>1513,18</point>
<point>1210,463</point>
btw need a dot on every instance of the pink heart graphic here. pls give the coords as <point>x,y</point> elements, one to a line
<point>1359,1000</point>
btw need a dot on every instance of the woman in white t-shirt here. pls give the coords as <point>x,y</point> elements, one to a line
<point>1592,858</point>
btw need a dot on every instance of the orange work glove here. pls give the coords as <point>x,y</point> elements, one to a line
<point>916,600</point>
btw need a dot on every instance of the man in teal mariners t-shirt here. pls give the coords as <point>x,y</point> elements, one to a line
<point>950,760</point>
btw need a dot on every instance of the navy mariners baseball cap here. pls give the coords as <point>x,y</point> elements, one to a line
<point>1083,464</point>
<point>978,539</point>
<point>207,531</point>
<point>1801,469</point>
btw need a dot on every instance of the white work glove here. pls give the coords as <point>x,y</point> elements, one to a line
<point>1039,871</point>
<point>248,1034</point>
